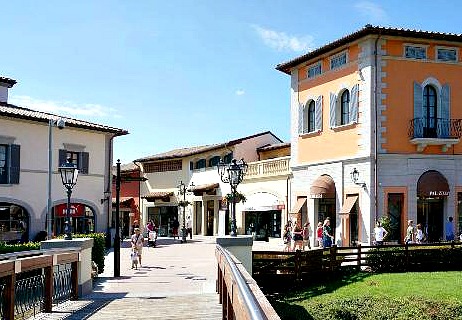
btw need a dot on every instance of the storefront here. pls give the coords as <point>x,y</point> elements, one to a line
<point>432,192</point>
<point>14,223</point>
<point>323,192</point>
<point>262,212</point>
<point>81,216</point>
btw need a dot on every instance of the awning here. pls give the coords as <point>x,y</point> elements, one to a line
<point>207,188</point>
<point>348,205</point>
<point>261,201</point>
<point>298,206</point>
<point>323,187</point>
<point>164,196</point>
<point>432,184</point>
<point>123,201</point>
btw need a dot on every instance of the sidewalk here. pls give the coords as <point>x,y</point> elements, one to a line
<point>175,281</point>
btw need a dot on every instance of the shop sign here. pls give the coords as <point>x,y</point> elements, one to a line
<point>316,196</point>
<point>438,193</point>
<point>76,210</point>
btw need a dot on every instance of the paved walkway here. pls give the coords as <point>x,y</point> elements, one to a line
<point>175,281</point>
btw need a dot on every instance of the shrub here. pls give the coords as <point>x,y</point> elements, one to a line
<point>9,248</point>
<point>99,248</point>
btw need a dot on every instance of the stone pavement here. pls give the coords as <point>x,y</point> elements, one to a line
<point>175,281</point>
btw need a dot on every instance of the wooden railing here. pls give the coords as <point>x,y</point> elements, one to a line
<point>239,294</point>
<point>268,168</point>
<point>39,268</point>
<point>271,268</point>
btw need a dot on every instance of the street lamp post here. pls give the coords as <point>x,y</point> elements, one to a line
<point>69,173</point>
<point>233,173</point>
<point>182,189</point>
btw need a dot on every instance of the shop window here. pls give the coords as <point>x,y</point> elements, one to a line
<point>214,161</point>
<point>200,164</point>
<point>14,223</point>
<point>228,158</point>
<point>395,211</point>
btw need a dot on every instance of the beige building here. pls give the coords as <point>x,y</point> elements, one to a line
<point>27,185</point>
<point>265,186</point>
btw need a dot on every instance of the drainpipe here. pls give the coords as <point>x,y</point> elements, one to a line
<point>139,191</point>
<point>376,77</point>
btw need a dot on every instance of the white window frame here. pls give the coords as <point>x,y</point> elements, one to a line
<point>345,52</point>
<point>420,46</point>
<point>446,48</point>
<point>312,67</point>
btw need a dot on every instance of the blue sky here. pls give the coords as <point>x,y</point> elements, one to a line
<point>179,73</point>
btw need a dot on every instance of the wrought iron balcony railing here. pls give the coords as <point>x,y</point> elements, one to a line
<point>437,128</point>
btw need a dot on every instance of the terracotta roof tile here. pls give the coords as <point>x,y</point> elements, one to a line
<point>368,30</point>
<point>12,111</point>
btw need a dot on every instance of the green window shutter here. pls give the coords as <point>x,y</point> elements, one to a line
<point>300,118</point>
<point>15,156</point>
<point>354,104</point>
<point>318,113</point>
<point>333,103</point>
<point>445,110</point>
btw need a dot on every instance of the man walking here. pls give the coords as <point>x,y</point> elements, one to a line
<point>189,227</point>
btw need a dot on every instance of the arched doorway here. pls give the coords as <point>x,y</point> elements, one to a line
<point>82,218</point>
<point>14,223</point>
<point>432,191</point>
<point>323,192</point>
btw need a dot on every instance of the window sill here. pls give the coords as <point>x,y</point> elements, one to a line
<point>310,134</point>
<point>344,126</point>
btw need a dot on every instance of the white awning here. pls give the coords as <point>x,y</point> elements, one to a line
<point>261,201</point>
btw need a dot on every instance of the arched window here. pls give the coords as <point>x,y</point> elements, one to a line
<point>429,111</point>
<point>201,164</point>
<point>344,107</point>
<point>214,161</point>
<point>311,116</point>
<point>228,158</point>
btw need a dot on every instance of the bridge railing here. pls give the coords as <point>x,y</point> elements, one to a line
<point>240,296</point>
<point>31,281</point>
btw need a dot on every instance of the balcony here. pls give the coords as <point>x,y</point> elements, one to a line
<point>268,168</point>
<point>442,132</point>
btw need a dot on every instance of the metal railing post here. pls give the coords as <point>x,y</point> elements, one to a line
<point>48,299</point>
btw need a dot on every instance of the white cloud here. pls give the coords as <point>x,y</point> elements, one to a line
<point>281,41</point>
<point>372,11</point>
<point>65,107</point>
<point>240,92</point>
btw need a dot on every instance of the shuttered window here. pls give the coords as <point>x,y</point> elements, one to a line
<point>345,107</point>
<point>9,164</point>
<point>80,159</point>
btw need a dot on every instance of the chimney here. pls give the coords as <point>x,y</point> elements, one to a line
<point>5,84</point>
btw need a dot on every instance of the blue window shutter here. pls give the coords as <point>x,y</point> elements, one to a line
<point>354,104</point>
<point>318,113</point>
<point>445,110</point>
<point>300,118</point>
<point>333,102</point>
<point>418,100</point>
<point>15,156</point>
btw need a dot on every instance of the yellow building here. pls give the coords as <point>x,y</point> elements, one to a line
<point>379,105</point>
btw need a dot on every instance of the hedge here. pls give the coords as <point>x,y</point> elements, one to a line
<point>99,248</point>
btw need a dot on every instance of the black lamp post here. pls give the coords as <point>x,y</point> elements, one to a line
<point>182,189</point>
<point>69,173</point>
<point>232,173</point>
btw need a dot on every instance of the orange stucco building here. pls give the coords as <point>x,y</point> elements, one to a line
<point>381,103</point>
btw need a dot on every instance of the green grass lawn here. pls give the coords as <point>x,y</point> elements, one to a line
<point>426,295</point>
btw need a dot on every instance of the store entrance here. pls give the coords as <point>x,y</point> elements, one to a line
<point>430,214</point>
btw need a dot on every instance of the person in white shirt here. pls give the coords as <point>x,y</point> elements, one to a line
<point>189,227</point>
<point>380,233</point>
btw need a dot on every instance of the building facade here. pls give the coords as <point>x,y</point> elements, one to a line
<point>32,146</point>
<point>196,168</point>
<point>375,132</point>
